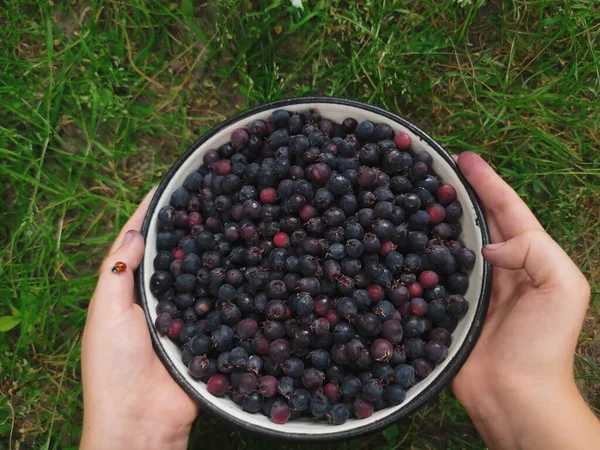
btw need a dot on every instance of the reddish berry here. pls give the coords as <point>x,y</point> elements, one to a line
<point>239,138</point>
<point>268,195</point>
<point>436,212</point>
<point>428,279</point>
<point>237,212</point>
<point>280,412</point>
<point>320,173</point>
<point>217,385</point>
<point>267,386</point>
<point>376,292</point>
<point>362,408</point>
<point>415,290</point>
<point>288,313</point>
<point>307,212</point>
<point>446,194</point>
<point>322,305</point>
<point>222,167</point>
<point>194,218</point>
<point>175,330</point>
<point>418,307</point>
<point>281,239</point>
<point>178,253</point>
<point>333,318</point>
<point>387,247</point>
<point>402,141</point>
<point>332,392</point>
<point>261,345</point>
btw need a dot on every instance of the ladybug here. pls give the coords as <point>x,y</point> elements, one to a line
<point>119,267</point>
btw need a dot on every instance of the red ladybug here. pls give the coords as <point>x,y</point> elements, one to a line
<point>119,267</point>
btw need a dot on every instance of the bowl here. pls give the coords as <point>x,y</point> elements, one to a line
<point>475,235</point>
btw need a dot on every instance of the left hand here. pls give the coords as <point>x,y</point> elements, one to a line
<point>130,400</point>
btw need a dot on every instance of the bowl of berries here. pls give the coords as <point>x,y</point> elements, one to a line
<point>312,269</point>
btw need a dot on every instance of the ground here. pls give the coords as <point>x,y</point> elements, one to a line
<point>98,97</point>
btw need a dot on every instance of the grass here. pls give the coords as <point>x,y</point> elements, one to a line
<point>97,99</point>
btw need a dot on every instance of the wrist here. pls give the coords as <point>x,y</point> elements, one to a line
<point>116,432</point>
<point>512,416</point>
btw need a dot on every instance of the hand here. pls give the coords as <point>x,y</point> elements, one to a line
<point>130,400</point>
<point>521,370</point>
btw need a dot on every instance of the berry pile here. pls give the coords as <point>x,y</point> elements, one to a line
<point>311,268</point>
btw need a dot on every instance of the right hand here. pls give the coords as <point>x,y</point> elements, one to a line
<point>523,361</point>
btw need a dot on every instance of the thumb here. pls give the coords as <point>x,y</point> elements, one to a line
<point>117,288</point>
<point>544,261</point>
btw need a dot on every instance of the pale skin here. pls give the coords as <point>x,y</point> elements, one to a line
<point>517,384</point>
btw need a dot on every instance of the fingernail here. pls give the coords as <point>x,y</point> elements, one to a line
<point>495,246</point>
<point>128,237</point>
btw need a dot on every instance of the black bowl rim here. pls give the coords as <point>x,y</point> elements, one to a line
<point>432,390</point>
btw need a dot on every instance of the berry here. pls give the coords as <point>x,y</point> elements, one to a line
<point>381,350</point>
<point>349,125</point>
<point>362,408</point>
<point>384,310</point>
<point>413,326</point>
<point>279,350</point>
<point>364,130</point>
<point>350,387</point>
<point>435,212</point>
<point>319,405</point>
<point>436,351</point>
<point>372,390</point>
<point>428,279</point>
<point>332,391</point>
<point>423,367</point>
<point>312,378</point>
<point>320,359</point>
<point>453,212</point>
<point>457,305</point>
<point>280,412</point>
<point>217,385</point>
<point>404,376</point>
<point>253,402</point>
<point>338,414</point>
<point>268,195</point>
<point>394,394</point>
<point>164,322</point>
<point>415,290</point>
<point>465,258</point>
<point>392,331</point>
<point>300,400</point>
<point>320,327</point>
<point>293,367</point>
<point>347,308</point>
<point>418,307</point>
<point>402,141</point>
<point>368,324</point>
<point>457,283</point>
<point>445,194</point>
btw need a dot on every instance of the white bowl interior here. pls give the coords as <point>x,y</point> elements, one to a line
<point>472,238</point>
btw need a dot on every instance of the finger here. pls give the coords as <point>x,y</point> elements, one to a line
<point>116,289</point>
<point>544,261</point>
<point>128,248</point>
<point>136,220</point>
<point>511,213</point>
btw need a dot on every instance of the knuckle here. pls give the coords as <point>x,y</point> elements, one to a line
<point>584,287</point>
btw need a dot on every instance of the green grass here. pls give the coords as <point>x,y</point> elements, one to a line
<point>98,98</point>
